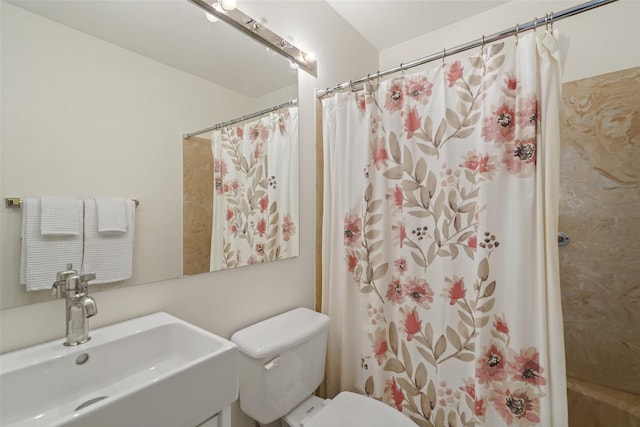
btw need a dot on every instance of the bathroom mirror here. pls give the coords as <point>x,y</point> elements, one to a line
<point>96,98</point>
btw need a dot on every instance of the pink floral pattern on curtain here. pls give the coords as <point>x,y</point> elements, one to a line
<point>254,221</point>
<point>437,244</point>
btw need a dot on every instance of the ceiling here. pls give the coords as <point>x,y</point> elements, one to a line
<point>385,23</point>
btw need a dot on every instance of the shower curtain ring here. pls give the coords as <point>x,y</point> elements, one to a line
<point>517,33</point>
<point>444,54</point>
<point>351,85</point>
<point>482,47</point>
<point>551,21</point>
<point>546,23</point>
<point>535,24</point>
<point>402,69</point>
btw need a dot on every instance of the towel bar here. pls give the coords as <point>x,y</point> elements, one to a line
<point>13,202</point>
<point>16,202</point>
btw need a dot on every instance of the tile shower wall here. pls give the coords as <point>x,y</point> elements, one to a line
<point>197,170</point>
<point>600,211</point>
<point>591,405</point>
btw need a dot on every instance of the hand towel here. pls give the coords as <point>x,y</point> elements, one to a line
<point>112,214</point>
<point>108,255</point>
<point>43,256</point>
<point>60,216</point>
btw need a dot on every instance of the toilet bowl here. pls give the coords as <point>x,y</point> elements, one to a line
<point>281,365</point>
<point>348,409</point>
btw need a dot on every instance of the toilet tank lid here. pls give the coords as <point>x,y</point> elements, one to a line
<point>280,333</point>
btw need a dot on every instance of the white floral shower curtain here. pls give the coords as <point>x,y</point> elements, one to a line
<point>255,209</point>
<point>440,271</point>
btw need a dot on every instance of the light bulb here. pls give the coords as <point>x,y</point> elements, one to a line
<point>211,17</point>
<point>227,4</point>
<point>308,56</point>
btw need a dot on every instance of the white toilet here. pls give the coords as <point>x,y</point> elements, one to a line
<point>281,365</point>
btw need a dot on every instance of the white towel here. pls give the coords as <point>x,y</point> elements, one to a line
<point>112,214</point>
<point>60,216</point>
<point>44,256</point>
<point>110,255</point>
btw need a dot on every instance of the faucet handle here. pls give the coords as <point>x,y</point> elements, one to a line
<point>61,276</point>
<point>86,277</point>
<point>61,279</point>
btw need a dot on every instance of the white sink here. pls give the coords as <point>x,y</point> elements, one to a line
<point>153,371</point>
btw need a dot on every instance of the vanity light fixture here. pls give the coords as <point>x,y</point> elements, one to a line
<point>255,30</point>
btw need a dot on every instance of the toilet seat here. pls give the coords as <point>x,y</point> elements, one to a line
<point>355,410</point>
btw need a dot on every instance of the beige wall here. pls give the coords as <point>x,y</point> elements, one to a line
<point>225,301</point>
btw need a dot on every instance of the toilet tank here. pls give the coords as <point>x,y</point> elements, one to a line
<point>281,362</point>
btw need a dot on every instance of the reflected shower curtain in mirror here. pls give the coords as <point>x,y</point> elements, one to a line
<point>440,264</point>
<point>255,210</point>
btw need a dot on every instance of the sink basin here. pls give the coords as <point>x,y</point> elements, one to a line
<point>155,370</point>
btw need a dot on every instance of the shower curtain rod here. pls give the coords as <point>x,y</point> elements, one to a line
<point>260,113</point>
<point>548,19</point>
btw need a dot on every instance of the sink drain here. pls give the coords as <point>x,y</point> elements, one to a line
<point>82,359</point>
<point>90,402</point>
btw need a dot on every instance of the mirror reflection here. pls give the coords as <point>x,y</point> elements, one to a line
<point>245,195</point>
<point>96,98</point>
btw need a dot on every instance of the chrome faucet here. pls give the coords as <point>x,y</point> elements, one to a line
<point>79,305</point>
